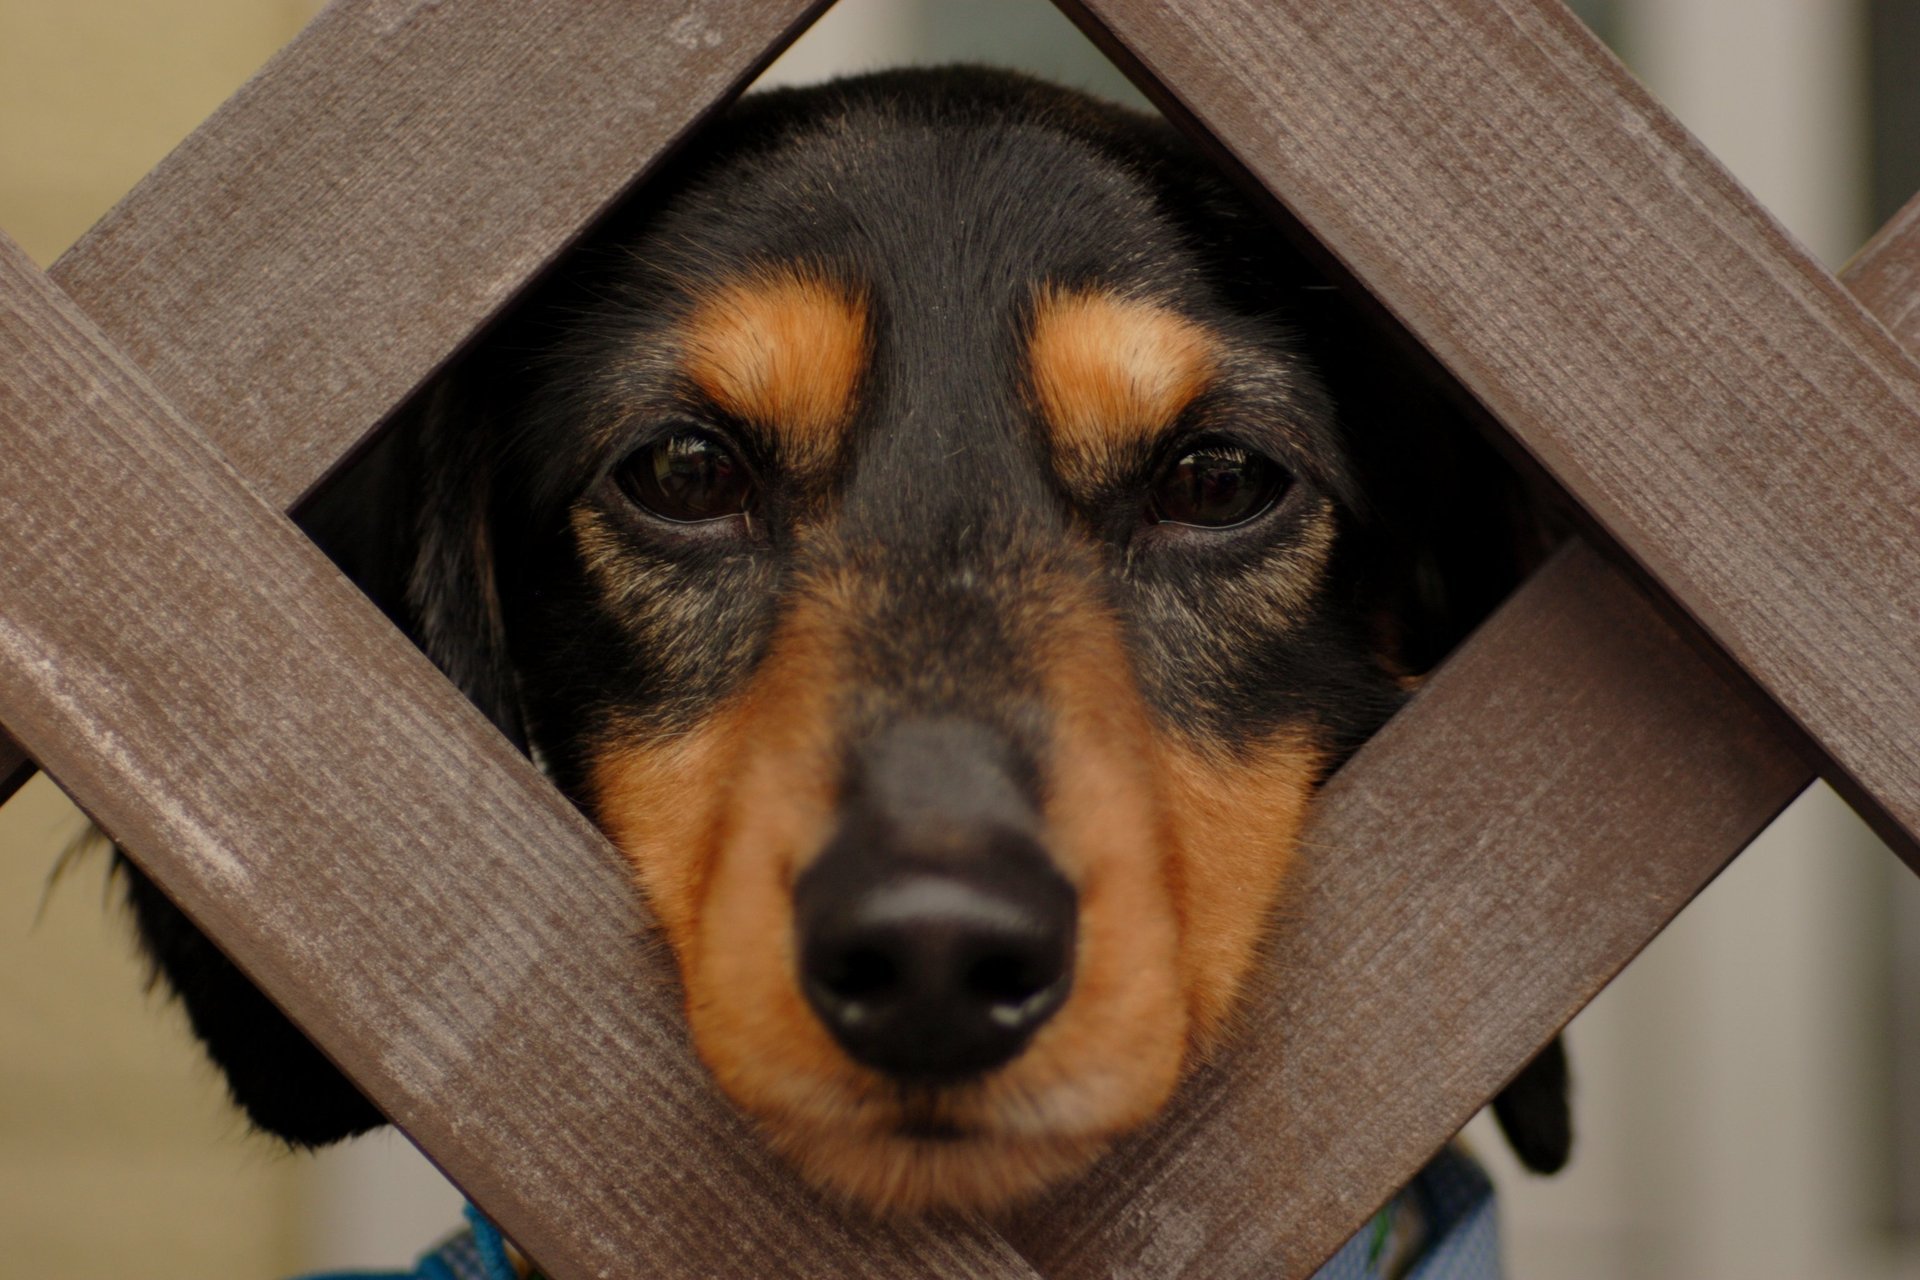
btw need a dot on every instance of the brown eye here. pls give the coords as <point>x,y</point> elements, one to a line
<point>1216,486</point>
<point>688,477</point>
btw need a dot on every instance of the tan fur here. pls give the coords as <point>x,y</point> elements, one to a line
<point>1236,823</point>
<point>1176,857</point>
<point>1108,371</point>
<point>1100,1067</point>
<point>656,802</point>
<point>784,349</point>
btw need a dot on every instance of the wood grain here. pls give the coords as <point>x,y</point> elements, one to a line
<point>1885,275</point>
<point>366,846</point>
<point>1553,796</point>
<point>1587,271</point>
<point>309,255</point>
<point>302,262</point>
<point>1361,1152</point>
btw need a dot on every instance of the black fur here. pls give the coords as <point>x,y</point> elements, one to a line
<point>922,188</point>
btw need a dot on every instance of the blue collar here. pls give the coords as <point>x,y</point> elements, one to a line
<point>1441,1227</point>
<point>477,1253</point>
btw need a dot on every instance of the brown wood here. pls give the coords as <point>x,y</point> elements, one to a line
<point>1553,796</point>
<point>367,847</point>
<point>387,181</point>
<point>1885,275</point>
<point>1515,957</point>
<point>296,267</point>
<point>1620,305</point>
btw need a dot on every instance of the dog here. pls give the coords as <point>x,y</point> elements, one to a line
<point>943,535</point>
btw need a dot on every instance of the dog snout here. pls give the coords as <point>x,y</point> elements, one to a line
<point>935,935</point>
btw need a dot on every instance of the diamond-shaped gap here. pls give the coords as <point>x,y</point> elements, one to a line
<point>830,20</point>
<point>1477,560</point>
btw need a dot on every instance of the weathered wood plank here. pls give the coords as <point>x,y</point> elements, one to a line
<point>1885,275</point>
<point>296,267</point>
<point>1587,271</point>
<point>1555,794</point>
<point>367,847</point>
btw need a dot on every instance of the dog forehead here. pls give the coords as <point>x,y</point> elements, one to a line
<point>920,190</point>
<point>893,259</point>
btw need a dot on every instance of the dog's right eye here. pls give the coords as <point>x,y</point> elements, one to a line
<point>1216,486</point>
<point>688,477</point>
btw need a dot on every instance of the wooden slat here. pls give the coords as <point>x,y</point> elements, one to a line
<point>1554,795</point>
<point>1885,275</point>
<point>296,267</point>
<point>1622,307</point>
<point>1392,1053</point>
<point>367,848</point>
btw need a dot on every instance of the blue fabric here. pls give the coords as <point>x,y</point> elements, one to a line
<point>478,1253</point>
<point>1447,1212</point>
<point>1442,1226</point>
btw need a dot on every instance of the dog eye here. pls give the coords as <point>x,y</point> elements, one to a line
<point>688,477</point>
<point>1216,486</point>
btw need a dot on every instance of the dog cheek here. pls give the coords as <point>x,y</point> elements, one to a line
<point>749,1019</point>
<point>750,1022</point>
<point>1115,1051</point>
<point>660,805</point>
<point>1235,830</point>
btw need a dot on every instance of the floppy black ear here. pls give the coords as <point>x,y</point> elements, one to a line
<point>1448,531</point>
<point>285,1085</point>
<point>1535,1111</point>
<point>450,597</point>
<point>409,523</point>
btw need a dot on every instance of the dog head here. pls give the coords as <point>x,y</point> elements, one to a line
<point>918,536</point>
<point>918,548</point>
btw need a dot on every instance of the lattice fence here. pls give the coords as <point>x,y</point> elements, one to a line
<point>1742,433</point>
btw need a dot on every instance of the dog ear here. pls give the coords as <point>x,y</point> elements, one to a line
<point>1535,1112</point>
<point>285,1085</point>
<point>409,523</point>
<point>450,598</point>
<point>1448,531</point>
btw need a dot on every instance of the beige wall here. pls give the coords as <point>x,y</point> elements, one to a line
<point>118,1154</point>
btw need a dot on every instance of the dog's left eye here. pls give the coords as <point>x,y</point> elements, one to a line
<point>688,477</point>
<point>1216,486</point>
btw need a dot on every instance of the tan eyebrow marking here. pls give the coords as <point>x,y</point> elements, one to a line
<point>784,349</point>
<point>1108,371</point>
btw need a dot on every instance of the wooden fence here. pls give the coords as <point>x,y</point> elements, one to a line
<point>1740,430</point>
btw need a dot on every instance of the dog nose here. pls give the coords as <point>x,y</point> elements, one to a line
<point>935,936</point>
<point>932,975</point>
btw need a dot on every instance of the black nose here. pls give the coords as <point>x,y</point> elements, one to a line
<point>935,935</point>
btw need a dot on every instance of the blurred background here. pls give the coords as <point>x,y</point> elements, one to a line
<point>1748,1096</point>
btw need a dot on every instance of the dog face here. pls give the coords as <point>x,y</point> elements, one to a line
<point>917,531</point>
<point>913,550</point>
